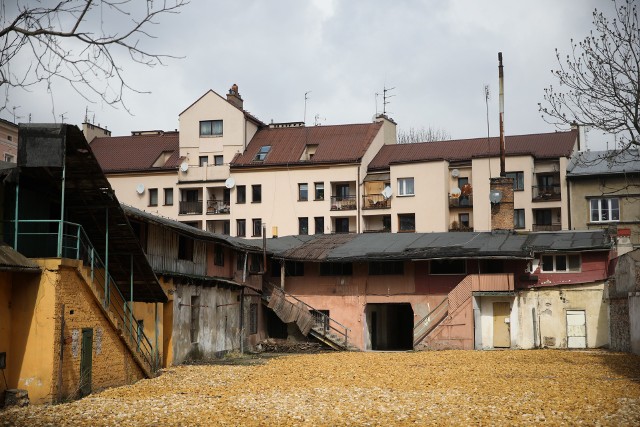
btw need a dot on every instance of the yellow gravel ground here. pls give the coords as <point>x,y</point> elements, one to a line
<point>420,388</point>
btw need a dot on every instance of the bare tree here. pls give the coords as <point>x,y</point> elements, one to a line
<point>77,42</point>
<point>422,135</point>
<point>599,80</point>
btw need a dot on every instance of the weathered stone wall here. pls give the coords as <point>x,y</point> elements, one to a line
<point>619,324</point>
<point>502,213</point>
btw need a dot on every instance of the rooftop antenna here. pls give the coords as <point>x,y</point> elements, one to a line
<point>86,114</point>
<point>14,114</point>
<point>384,99</point>
<point>487,96</point>
<point>62,117</point>
<point>376,95</point>
<point>305,106</point>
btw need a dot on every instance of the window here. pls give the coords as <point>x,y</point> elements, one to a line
<point>256,193</point>
<point>262,153</point>
<point>168,196</point>
<point>447,266</point>
<point>386,268</point>
<point>518,180</point>
<point>561,263</point>
<point>257,227</point>
<point>240,261</point>
<point>303,225</point>
<point>195,318</point>
<point>204,161</point>
<point>241,227</point>
<point>319,193</point>
<point>218,258</point>
<point>518,218</point>
<point>405,187</point>
<point>9,138</point>
<point>603,210</point>
<point>241,194</point>
<point>211,128</point>
<point>256,263</point>
<point>406,222</point>
<point>185,248</point>
<point>543,216</point>
<point>319,225</point>
<point>463,220</point>
<point>342,225</point>
<point>336,269</point>
<point>253,318</point>
<point>342,191</point>
<point>153,197</point>
<point>226,227</point>
<point>218,160</point>
<point>8,157</point>
<point>291,268</point>
<point>303,192</point>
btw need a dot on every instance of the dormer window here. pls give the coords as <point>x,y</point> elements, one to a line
<point>162,159</point>
<point>309,151</point>
<point>211,128</point>
<point>262,153</point>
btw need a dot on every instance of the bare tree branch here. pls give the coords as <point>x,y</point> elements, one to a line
<point>422,135</point>
<point>78,42</point>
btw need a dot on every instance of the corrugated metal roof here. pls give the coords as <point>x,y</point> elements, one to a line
<point>335,144</point>
<point>11,260</point>
<point>136,152</point>
<point>540,146</point>
<point>589,163</point>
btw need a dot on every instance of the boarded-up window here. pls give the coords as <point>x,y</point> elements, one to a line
<point>253,318</point>
<point>195,317</point>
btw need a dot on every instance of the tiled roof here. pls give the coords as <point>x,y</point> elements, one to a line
<point>593,163</point>
<point>136,152</point>
<point>540,146</point>
<point>335,144</point>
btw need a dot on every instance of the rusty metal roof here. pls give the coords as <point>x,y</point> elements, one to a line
<point>137,152</point>
<point>89,201</point>
<point>335,144</point>
<point>11,260</point>
<point>540,146</point>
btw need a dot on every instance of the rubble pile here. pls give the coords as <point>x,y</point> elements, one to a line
<point>442,388</point>
<point>274,345</point>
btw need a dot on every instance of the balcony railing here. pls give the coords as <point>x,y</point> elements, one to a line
<point>375,201</point>
<point>217,207</point>
<point>343,203</point>
<point>547,227</point>
<point>546,192</point>
<point>377,230</point>
<point>461,202</point>
<point>190,208</point>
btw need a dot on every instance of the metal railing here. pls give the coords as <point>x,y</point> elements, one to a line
<point>190,208</point>
<point>63,239</point>
<point>343,203</point>
<point>375,201</point>
<point>461,201</point>
<point>430,321</point>
<point>217,207</point>
<point>547,227</point>
<point>322,323</point>
<point>546,192</point>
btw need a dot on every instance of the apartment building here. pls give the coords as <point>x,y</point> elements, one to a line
<point>8,141</point>
<point>445,185</point>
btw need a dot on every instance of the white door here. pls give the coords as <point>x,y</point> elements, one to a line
<point>576,329</point>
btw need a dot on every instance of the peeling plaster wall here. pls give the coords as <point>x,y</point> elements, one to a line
<point>486,321</point>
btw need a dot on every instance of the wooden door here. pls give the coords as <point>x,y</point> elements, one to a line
<point>86,361</point>
<point>501,330</point>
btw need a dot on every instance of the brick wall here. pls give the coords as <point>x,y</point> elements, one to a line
<point>112,363</point>
<point>502,213</point>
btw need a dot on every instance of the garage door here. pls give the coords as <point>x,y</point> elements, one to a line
<point>576,329</point>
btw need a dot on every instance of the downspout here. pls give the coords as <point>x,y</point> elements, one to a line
<point>60,224</point>
<point>568,201</point>
<point>106,259</point>
<point>358,201</point>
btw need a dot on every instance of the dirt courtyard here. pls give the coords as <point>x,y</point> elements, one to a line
<point>548,387</point>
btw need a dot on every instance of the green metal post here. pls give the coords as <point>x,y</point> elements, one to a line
<point>78,243</point>
<point>15,234</point>
<point>92,266</point>
<point>106,260</point>
<point>61,223</point>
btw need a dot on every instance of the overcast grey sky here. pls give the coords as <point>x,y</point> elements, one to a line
<point>437,54</point>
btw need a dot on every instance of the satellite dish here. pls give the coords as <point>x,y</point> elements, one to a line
<point>230,183</point>
<point>495,196</point>
<point>387,192</point>
<point>455,173</point>
<point>456,192</point>
<point>140,189</point>
<point>184,167</point>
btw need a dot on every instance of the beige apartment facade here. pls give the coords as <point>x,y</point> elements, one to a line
<point>8,141</point>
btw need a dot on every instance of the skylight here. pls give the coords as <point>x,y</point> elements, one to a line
<point>262,153</point>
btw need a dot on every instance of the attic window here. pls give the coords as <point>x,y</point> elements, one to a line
<point>309,151</point>
<point>162,159</point>
<point>262,153</point>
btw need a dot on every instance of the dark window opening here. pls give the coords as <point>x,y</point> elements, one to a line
<point>448,266</point>
<point>383,268</point>
<point>336,269</point>
<point>185,248</point>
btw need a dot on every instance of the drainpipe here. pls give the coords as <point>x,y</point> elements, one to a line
<point>106,259</point>
<point>358,200</point>
<point>60,224</point>
<point>502,142</point>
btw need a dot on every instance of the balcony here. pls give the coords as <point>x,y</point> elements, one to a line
<point>546,193</point>
<point>190,208</point>
<point>375,201</point>
<point>343,203</point>
<point>218,207</point>
<point>547,227</point>
<point>461,202</point>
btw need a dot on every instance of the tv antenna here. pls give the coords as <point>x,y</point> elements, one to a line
<point>304,119</point>
<point>487,96</point>
<point>385,98</point>
<point>62,117</point>
<point>14,114</point>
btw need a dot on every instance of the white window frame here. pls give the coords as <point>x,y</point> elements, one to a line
<point>403,187</point>
<point>215,128</point>
<point>555,263</point>
<point>600,208</point>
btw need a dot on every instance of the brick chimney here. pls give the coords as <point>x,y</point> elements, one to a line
<point>234,98</point>
<point>502,211</point>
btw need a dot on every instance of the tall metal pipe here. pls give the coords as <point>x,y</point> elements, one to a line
<point>502,144</point>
